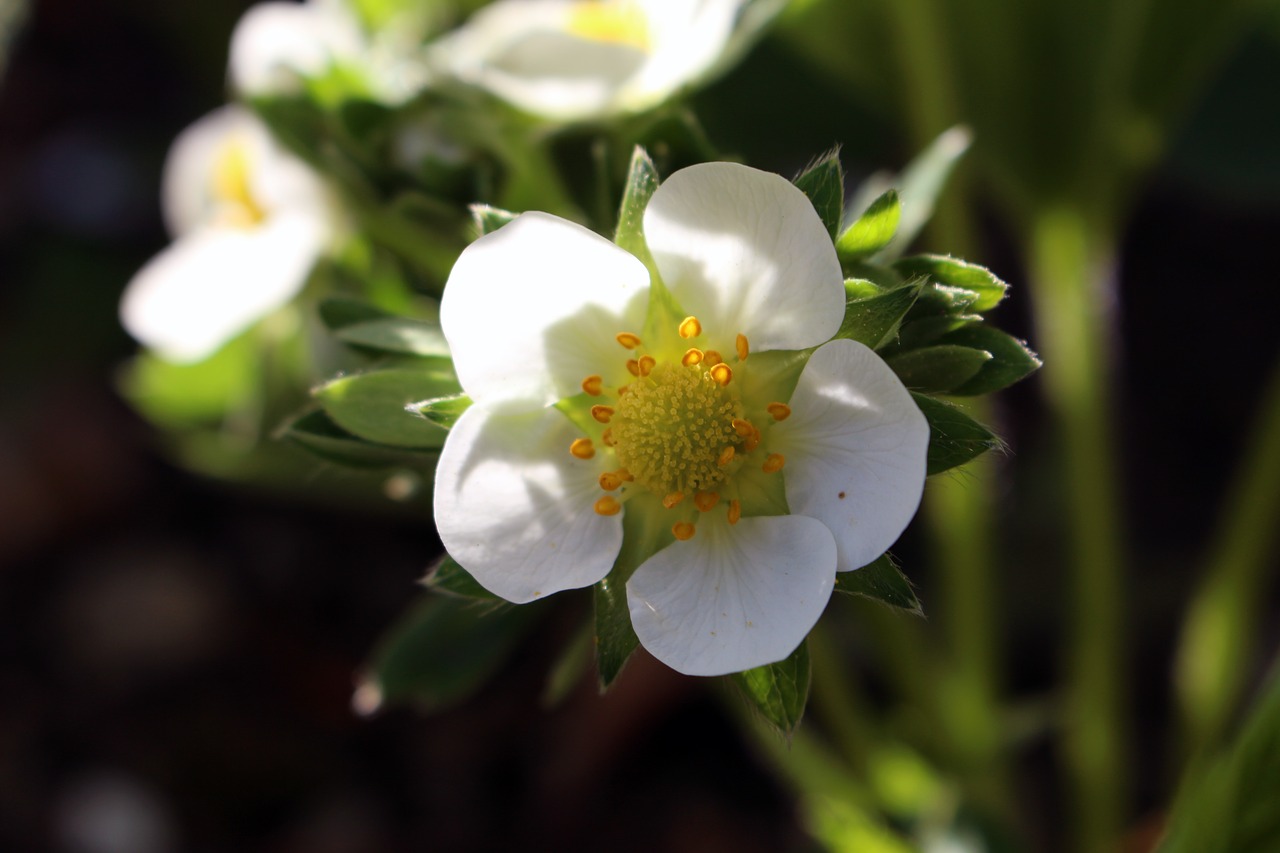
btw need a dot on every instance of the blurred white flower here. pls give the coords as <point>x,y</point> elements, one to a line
<point>573,60</point>
<point>603,397</point>
<point>248,222</point>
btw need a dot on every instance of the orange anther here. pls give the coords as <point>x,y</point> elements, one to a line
<point>608,505</point>
<point>608,439</point>
<point>773,463</point>
<point>683,530</point>
<point>622,389</point>
<point>593,385</point>
<point>742,428</point>
<point>690,327</point>
<point>647,363</point>
<point>625,474</point>
<point>752,441</point>
<point>610,480</point>
<point>711,358</point>
<point>691,357</point>
<point>726,456</point>
<point>779,411</point>
<point>722,373</point>
<point>628,340</point>
<point>582,448</point>
<point>602,413</point>
<point>633,367</point>
<point>706,501</point>
<point>735,511</point>
<point>743,348</point>
<point>672,499</point>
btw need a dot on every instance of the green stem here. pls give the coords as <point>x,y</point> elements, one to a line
<point>1069,266</point>
<point>837,701</point>
<point>1219,636</point>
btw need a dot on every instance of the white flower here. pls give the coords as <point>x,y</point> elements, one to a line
<point>609,405</point>
<point>573,60</point>
<point>276,46</point>
<point>248,222</point>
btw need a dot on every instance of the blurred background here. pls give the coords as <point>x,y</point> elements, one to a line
<point>178,654</point>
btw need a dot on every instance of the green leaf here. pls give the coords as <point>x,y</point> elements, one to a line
<point>922,331</point>
<point>954,437</point>
<point>442,411</point>
<point>441,652</point>
<point>316,433</point>
<point>178,396</point>
<point>823,183</point>
<point>1012,360</point>
<point>938,369</point>
<point>779,690</point>
<point>1234,807</point>
<point>449,578</point>
<point>883,581</point>
<point>489,219</point>
<point>374,405</point>
<point>400,335</point>
<point>872,231</point>
<point>337,314</point>
<point>940,300</point>
<point>956,273</point>
<point>874,320</point>
<point>642,181</point>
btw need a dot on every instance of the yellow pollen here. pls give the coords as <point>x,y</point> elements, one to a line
<point>743,348</point>
<point>610,480</point>
<point>735,511</point>
<point>607,438</point>
<point>752,441</point>
<point>779,411</point>
<point>691,357</point>
<point>773,463</point>
<point>743,428</point>
<point>582,448</point>
<point>712,358</point>
<point>633,367</point>
<point>672,500</point>
<point>593,385</point>
<point>706,501</point>
<point>690,327</point>
<point>683,530</point>
<point>722,373</point>
<point>232,170</point>
<point>611,23</point>
<point>726,456</point>
<point>602,413</point>
<point>647,363</point>
<point>608,505</point>
<point>628,340</point>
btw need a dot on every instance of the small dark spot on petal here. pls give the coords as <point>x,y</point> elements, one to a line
<point>840,496</point>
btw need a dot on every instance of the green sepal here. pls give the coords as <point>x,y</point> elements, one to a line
<point>938,369</point>
<point>316,433</point>
<point>922,182</point>
<point>1012,360</point>
<point>871,231</point>
<point>374,405</point>
<point>823,183</point>
<point>883,581</point>
<point>448,577</point>
<point>923,331</point>
<point>956,273</point>
<point>779,691</point>
<point>397,335</point>
<point>488,219</point>
<point>954,437</point>
<point>942,300</point>
<point>442,651</point>
<point>874,320</point>
<point>442,411</point>
<point>569,668</point>
<point>642,182</point>
<point>337,314</point>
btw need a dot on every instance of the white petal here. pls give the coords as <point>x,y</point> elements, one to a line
<point>855,448</point>
<point>689,37</point>
<point>214,283</point>
<point>744,251</point>
<point>515,508</point>
<point>275,43</point>
<point>733,597</point>
<point>533,308</point>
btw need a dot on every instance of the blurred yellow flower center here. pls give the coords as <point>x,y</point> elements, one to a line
<point>613,22</point>
<point>230,187</point>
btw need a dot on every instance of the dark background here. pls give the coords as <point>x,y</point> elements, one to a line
<point>177,655</point>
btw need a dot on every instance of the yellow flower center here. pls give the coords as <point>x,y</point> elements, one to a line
<point>231,189</point>
<point>612,22</point>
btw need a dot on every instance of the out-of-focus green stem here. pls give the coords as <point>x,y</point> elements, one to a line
<point>837,701</point>
<point>1070,265</point>
<point>1218,639</point>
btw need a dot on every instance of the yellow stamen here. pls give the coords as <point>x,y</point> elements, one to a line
<point>735,511</point>
<point>628,340</point>
<point>683,530</point>
<point>774,462</point>
<point>711,358</point>
<point>743,348</point>
<point>752,441</point>
<point>779,411</point>
<point>672,499</point>
<point>582,448</point>
<point>743,428</point>
<point>610,480</point>
<point>722,373</point>
<point>607,438</point>
<point>647,363</point>
<point>608,505</point>
<point>691,357</point>
<point>633,367</point>
<point>690,327</point>
<point>593,385</point>
<point>726,456</point>
<point>602,413</point>
<point>706,501</point>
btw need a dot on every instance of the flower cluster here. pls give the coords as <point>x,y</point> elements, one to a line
<point>694,410</point>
